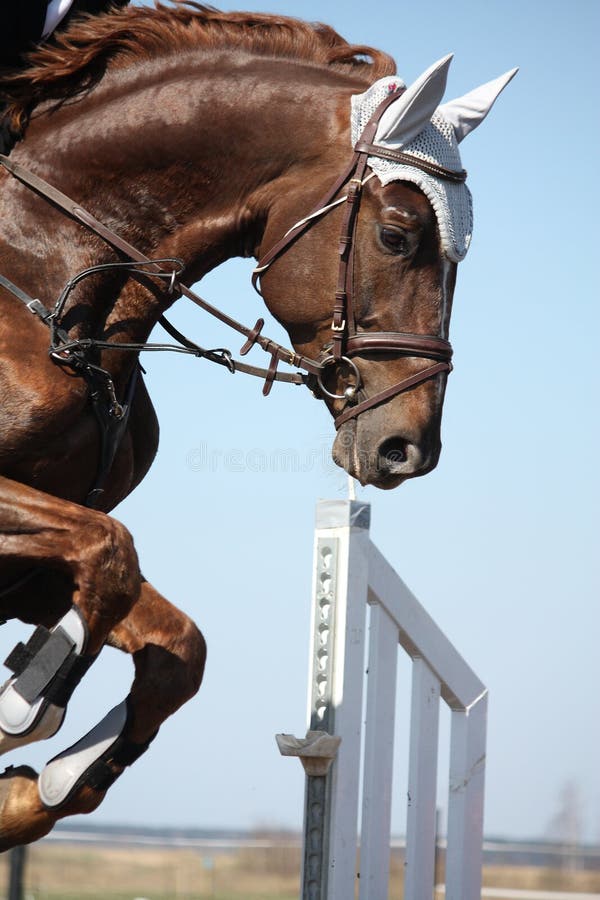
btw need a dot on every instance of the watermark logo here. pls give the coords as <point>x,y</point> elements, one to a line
<point>207,458</point>
<point>259,460</point>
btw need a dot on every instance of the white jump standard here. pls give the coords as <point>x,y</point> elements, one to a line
<point>349,574</point>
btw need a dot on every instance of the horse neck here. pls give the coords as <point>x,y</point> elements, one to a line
<point>188,166</point>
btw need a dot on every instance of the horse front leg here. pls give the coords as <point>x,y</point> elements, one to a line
<point>169,654</point>
<point>97,555</point>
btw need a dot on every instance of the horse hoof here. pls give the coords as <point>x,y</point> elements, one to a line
<point>22,817</point>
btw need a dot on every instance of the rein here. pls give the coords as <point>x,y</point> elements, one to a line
<point>277,351</point>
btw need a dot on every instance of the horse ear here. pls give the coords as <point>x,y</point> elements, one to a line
<point>467,112</point>
<point>404,119</point>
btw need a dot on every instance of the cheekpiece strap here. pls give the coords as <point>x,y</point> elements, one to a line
<point>343,322</point>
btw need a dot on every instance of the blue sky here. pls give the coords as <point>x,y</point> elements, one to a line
<point>509,569</point>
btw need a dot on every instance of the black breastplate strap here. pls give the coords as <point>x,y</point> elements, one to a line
<point>112,416</point>
<point>112,431</point>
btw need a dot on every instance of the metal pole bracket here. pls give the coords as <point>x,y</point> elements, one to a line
<point>316,751</point>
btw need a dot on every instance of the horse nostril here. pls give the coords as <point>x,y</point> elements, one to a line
<point>393,451</point>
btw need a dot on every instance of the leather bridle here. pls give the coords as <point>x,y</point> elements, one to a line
<point>347,342</point>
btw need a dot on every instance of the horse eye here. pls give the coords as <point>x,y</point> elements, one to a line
<point>395,240</point>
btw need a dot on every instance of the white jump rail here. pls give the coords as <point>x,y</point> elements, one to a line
<point>349,574</point>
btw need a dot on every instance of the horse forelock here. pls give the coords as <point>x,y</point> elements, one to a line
<point>77,59</point>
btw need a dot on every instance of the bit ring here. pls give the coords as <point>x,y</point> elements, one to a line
<point>351,390</point>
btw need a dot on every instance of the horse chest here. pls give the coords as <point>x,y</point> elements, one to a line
<point>50,437</point>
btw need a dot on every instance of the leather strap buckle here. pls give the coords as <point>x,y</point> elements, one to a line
<point>38,309</point>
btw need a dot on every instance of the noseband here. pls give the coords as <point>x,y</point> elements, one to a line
<point>347,342</point>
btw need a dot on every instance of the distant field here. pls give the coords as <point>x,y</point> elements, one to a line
<point>64,872</point>
<point>72,872</point>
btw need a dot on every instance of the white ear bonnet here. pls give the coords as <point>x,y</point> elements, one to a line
<point>417,125</point>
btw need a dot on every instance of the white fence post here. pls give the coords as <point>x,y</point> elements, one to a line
<point>465,801</point>
<point>379,755</point>
<point>349,572</point>
<point>348,523</point>
<point>422,782</point>
<point>336,674</point>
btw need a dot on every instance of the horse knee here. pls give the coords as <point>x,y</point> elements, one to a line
<point>114,557</point>
<point>107,569</point>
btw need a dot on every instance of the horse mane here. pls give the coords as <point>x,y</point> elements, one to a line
<point>75,60</point>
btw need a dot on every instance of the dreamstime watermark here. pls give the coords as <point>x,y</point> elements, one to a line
<point>276,460</point>
<point>259,460</point>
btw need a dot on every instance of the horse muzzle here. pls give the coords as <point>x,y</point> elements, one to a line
<point>386,463</point>
<point>387,442</point>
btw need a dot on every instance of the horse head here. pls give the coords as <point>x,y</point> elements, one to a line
<point>379,319</point>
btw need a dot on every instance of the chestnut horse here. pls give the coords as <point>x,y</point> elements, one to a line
<point>192,137</point>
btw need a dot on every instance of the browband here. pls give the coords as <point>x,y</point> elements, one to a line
<point>409,159</point>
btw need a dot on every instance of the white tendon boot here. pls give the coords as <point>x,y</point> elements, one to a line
<point>46,671</point>
<point>95,761</point>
